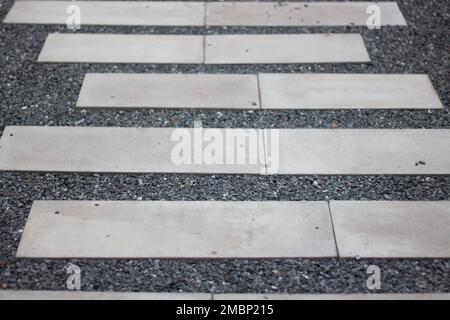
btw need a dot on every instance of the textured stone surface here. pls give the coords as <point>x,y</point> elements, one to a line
<point>285,48</point>
<point>180,91</point>
<point>392,229</point>
<point>113,13</point>
<point>363,151</point>
<point>138,150</point>
<point>45,95</point>
<point>93,295</point>
<point>300,14</point>
<point>208,229</point>
<point>424,296</point>
<point>122,48</point>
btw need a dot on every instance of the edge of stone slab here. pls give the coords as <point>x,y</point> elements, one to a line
<point>94,295</point>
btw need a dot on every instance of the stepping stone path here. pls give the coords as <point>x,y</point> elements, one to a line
<point>214,229</point>
<point>347,91</point>
<point>208,229</point>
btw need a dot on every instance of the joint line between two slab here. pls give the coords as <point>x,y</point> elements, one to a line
<point>258,88</point>
<point>333,228</point>
<point>204,34</point>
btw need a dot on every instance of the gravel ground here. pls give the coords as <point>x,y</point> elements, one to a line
<point>45,94</point>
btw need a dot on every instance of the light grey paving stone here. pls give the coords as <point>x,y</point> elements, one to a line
<point>173,229</point>
<point>285,48</point>
<point>347,91</point>
<point>299,13</point>
<point>145,13</point>
<point>419,296</point>
<point>93,295</point>
<point>288,151</point>
<point>216,91</point>
<point>122,48</point>
<point>364,151</point>
<point>392,229</point>
<point>128,150</point>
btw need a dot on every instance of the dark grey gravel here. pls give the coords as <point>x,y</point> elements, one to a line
<point>45,94</point>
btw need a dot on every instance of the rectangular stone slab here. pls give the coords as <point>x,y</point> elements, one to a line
<point>347,91</point>
<point>173,229</point>
<point>125,13</point>
<point>355,296</point>
<point>289,151</point>
<point>127,150</point>
<point>392,229</point>
<point>105,295</point>
<point>125,90</point>
<point>364,151</point>
<point>122,48</point>
<point>285,48</point>
<point>299,13</point>
<point>96,295</point>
